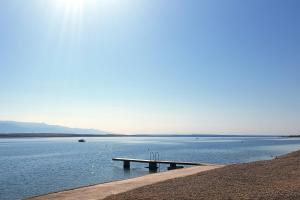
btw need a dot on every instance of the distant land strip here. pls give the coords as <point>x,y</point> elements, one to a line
<point>42,135</point>
<point>51,135</point>
<point>293,136</point>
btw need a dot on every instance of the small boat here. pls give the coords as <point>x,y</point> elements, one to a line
<point>81,140</point>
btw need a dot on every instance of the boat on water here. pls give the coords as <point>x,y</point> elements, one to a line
<point>81,140</point>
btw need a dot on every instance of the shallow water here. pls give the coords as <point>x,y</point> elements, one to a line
<point>36,166</point>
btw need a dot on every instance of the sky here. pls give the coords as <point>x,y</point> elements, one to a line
<point>152,66</point>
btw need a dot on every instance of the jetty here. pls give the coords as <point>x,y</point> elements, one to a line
<point>153,164</point>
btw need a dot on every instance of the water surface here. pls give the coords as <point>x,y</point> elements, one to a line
<point>36,166</point>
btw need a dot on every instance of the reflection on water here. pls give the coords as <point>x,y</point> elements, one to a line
<point>36,166</point>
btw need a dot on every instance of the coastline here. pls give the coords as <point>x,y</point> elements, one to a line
<point>104,190</point>
<point>278,178</point>
<point>264,180</point>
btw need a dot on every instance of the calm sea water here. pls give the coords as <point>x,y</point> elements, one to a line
<point>31,167</point>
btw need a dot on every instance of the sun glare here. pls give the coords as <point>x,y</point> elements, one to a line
<point>66,21</point>
<point>69,16</point>
<point>70,6</point>
<point>72,3</point>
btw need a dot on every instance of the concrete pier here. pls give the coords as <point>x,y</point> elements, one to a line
<point>153,163</point>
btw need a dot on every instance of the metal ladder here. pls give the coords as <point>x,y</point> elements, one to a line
<point>155,156</point>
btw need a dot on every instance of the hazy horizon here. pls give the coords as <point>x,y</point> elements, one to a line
<point>152,66</point>
<point>101,131</point>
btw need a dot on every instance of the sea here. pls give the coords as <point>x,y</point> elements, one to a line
<point>35,166</point>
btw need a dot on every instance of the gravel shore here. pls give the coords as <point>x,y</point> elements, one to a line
<point>274,179</point>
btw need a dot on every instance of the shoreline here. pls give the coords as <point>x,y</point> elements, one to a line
<point>104,190</point>
<point>278,178</point>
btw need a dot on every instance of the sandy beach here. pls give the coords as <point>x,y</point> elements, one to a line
<point>101,191</point>
<point>274,179</point>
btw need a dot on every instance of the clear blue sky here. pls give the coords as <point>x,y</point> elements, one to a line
<point>152,66</point>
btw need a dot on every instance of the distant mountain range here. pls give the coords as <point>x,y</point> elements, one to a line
<point>13,127</point>
<point>31,129</point>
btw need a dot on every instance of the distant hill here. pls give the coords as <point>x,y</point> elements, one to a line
<point>12,127</point>
<point>294,136</point>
